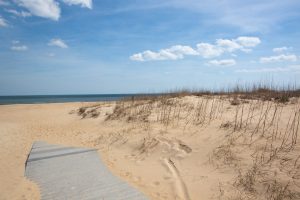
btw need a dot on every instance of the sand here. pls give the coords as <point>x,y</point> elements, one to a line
<point>171,160</point>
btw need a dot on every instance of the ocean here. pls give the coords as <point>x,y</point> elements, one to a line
<point>34,99</point>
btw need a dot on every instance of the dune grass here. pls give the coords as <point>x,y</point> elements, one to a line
<point>261,133</point>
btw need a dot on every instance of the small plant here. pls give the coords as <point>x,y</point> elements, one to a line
<point>81,110</point>
<point>226,125</point>
<point>282,99</point>
<point>248,180</point>
<point>235,101</point>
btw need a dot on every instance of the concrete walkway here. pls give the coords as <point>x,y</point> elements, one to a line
<point>74,173</point>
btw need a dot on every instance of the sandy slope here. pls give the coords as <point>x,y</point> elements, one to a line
<point>164,162</point>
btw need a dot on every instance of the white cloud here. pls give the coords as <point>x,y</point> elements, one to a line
<point>173,53</point>
<point>292,68</point>
<point>226,62</point>
<point>229,45</point>
<point>279,58</point>
<point>19,48</point>
<point>83,3</point>
<point>46,8</point>
<point>182,50</point>
<point>58,43</point>
<point>17,13</point>
<point>43,8</point>
<point>2,22</point>
<point>248,41</point>
<point>137,57</point>
<point>205,50</point>
<point>241,43</point>
<point>281,49</point>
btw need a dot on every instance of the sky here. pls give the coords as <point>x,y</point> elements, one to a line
<point>134,46</point>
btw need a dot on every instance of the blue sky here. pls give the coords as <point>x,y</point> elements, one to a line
<point>130,46</point>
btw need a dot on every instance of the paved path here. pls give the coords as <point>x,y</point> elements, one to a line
<point>74,173</point>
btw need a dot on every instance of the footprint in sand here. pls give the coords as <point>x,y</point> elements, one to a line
<point>156,183</point>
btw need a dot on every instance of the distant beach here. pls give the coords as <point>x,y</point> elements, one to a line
<point>37,99</point>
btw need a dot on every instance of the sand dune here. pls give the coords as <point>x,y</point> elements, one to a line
<point>170,148</point>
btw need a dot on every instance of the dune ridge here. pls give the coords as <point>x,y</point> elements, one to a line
<point>169,147</point>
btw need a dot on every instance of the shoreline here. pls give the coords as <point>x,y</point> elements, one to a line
<point>58,103</point>
<point>40,99</point>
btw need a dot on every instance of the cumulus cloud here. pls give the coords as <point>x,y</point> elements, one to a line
<point>226,62</point>
<point>82,3</point>
<point>229,45</point>
<point>43,8</point>
<point>281,49</point>
<point>205,50</point>
<point>174,53</point>
<point>182,50</point>
<point>292,68</point>
<point>47,8</point>
<point>241,43</point>
<point>58,43</point>
<point>138,56</point>
<point>19,48</point>
<point>248,41</point>
<point>2,22</point>
<point>279,58</point>
<point>19,13</point>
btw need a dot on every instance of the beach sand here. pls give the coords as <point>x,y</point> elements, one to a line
<point>164,157</point>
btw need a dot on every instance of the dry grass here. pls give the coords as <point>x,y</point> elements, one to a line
<point>89,111</point>
<point>258,133</point>
<point>260,126</point>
